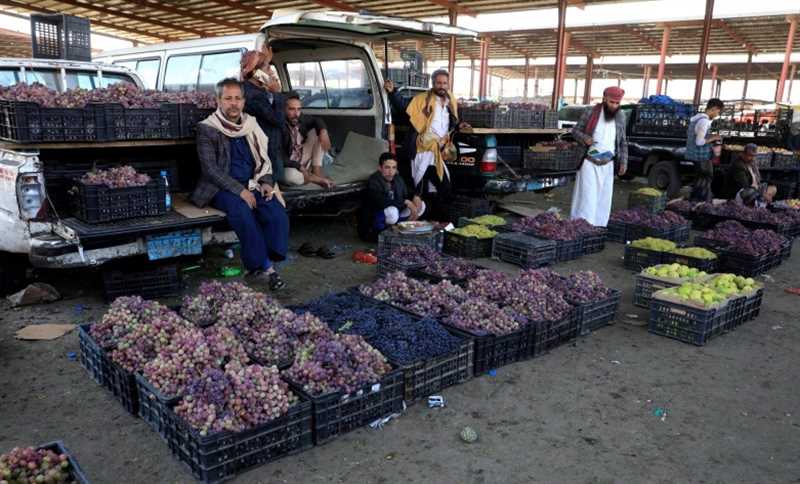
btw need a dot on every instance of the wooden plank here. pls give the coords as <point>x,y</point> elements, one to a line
<point>514,131</point>
<point>90,144</point>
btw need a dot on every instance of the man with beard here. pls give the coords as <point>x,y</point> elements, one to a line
<point>305,141</point>
<point>602,131</point>
<point>237,179</point>
<point>432,115</point>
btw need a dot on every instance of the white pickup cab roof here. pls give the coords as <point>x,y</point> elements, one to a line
<point>355,26</point>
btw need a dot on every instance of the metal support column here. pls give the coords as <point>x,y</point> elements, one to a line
<point>527,77</point>
<point>567,39</point>
<point>472,78</point>
<point>701,64</point>
<point>662,59</point>
<point>484,68</point>
<point>646,81</point>
<point>587,87</point>
<point>791,81</point>
<point>747,74</point>
<point>451,57</point>
<point>562,16</point>
<point>714,70</point>
<point>535,82</point>
<point>787,59</point>
<point>666,85</point>
<point>575,92</point>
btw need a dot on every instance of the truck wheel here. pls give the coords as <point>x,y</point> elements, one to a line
<point>12,273</point>
<point>664,176</point>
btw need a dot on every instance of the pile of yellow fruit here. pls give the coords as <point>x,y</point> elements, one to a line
<point>697,293</point>
<point>650,192</point>
<point>695,252</point>
<point>475,230</point>
<point>674,271</point>
<point>793,203</point>
<point>652,243</point>
<point>490,220</point>
<point>732,285</point>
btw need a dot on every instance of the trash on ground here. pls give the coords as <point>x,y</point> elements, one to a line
<point>36,332</point>
<point>469,435</point>
<point>36,293</point>
<point>660,413</point>
<point>436,401</point>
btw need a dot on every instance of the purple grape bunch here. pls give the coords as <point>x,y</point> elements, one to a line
<point>742,240</point>
<point>116,177</point>
<point>480,316</point>
<point>23,465</point>
<point>128,95</point>
<point>640,216</point>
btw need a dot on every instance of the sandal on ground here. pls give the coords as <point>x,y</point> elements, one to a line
<point>275,282</point>
<point>325,252</point>
<point>307,250</point>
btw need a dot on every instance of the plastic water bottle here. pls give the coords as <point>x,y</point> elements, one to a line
<point>168,198</point>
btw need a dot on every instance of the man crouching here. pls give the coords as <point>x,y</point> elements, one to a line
<point>237,179</point>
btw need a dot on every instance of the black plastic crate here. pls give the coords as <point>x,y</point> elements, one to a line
<point>75,471</point>
<point>637,258</point>
<point>567,250</point>
<point>644,286</point>
<point>387,265</point>
<point>661,120</point>
<point>20,122</point>
<point>526,118</point>
<point>648,202</point>
<point>552,159</point>
<point>221,456</point>
<point>510,154</point>
<point>552,334</point>
<point>735,313</point>
<point>150,282</point>
<point>594,243</point>
<point>636,232</point>
<point>617,232</point>
<point>63,124</point>
<point>786,160</point>
<point>493,351</point>
<point>680,233</point>
<point>738,263</point>
<point>467,247</point>
<point>523,250</point>
<point>487,118</point>
<point>124,388</point>
<point>336,413</point>
<point>163,122</point>
<point>707,265</point>
<point>391,239</point>
<point>425,378</point>
<point>763,159</point>
<point>786,251</point>
<point>752,305</point>
<point>686,323</point>
<point>470,207</point>
<point>98,203</point>
<point>153,406</point>
<point>594,315</point>
<point>58,36</point>
<point>551,119</point>
<point>94,358</point>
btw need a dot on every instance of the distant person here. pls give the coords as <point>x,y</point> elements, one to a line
<point>602,132</point>
<point>263,99</point>
<point>699,144</point>
<point>305,141</point>
<point>744,174</point>
<point>237,179</point>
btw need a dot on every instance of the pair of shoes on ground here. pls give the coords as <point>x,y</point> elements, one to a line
<point>272,279</point>
<point>308,250</point>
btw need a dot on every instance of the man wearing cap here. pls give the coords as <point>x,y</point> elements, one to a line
<point>434,116</point>
<point>743,174</point>
<point>602,131</point>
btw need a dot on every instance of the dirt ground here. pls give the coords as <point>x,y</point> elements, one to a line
<point>584,413</point>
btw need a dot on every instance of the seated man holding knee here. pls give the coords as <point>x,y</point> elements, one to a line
<point>305,142</point>
<point>237,179</point>
<point>388,197</point>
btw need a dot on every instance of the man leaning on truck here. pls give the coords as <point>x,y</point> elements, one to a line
<point>237,179</point>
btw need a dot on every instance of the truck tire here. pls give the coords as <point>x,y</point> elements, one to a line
<point>664,176</point>
<point>12,273</point>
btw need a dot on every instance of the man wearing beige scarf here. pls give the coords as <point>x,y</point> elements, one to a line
<point>237,179</point>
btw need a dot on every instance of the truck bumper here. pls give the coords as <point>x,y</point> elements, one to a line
<point>50,251</point>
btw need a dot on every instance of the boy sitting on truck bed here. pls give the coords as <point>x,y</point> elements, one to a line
<point>305,141</point>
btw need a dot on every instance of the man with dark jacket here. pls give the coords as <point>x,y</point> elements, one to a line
<point>743,174</point>
<point>305,141</point>
<point>263,99</point>
<point>601,132</point>
<point>237,179</point>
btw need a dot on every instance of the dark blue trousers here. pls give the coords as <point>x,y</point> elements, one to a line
<point>263,232</point>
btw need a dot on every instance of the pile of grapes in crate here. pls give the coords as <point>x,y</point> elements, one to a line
<point>571,236</point>
<point>743,251</point>
<point>785,222</point>
<point>51,463</point>
<point>34,113</point>
<point>118,193</point>
<point>638,223</point>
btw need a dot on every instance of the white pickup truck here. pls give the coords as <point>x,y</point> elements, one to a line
<point>311,48</point>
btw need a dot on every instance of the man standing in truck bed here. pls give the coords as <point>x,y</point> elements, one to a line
<point>699,149</point>
<point>602,131</point>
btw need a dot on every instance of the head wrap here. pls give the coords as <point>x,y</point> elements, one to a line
<point>751,148</point>
<point>614,93</point>
<point>251,60</point>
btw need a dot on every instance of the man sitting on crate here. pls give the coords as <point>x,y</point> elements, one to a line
<point>237,179</point>
<point>434,117</point>
<point>305,141</point>
<point>388,200</point>
<point>743,173</point>
<point>602,131</point>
